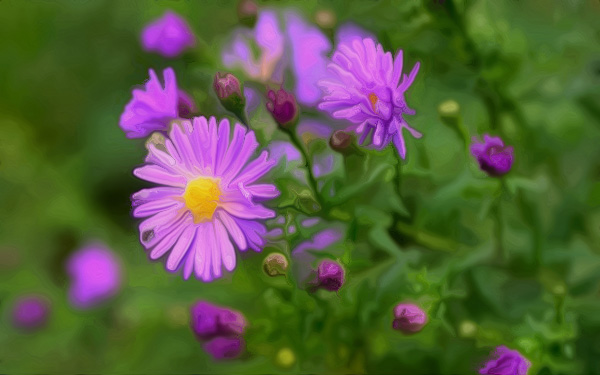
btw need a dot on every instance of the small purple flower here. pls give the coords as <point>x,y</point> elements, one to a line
<point>95,273</point>
<point>330,275</point>
<point>493,157</point>
<point>283,107</point>
<point>409,318</point>
<point>30,312</point>
<point>224,347</point>
<point>210,321</point>
<point>153,108</point>
<point>364,87</point>
<point>208,198</point>
<point>168,35</point>
<point>505,361</point>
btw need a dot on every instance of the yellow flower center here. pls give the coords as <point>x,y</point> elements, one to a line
<point>373,99</point>
<point>202,197</point>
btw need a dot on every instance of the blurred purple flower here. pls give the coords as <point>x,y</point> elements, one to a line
<point>330,275</point>
<point>224,347</point>
<point>153,108</point>
<point>209,321</point>
<point>364,88</point>
<point>168,35</point>
<point>505,361</point>
<point>95,273</point>
<point>208,198</point>
<point>491,154</point>
<point>30,312</point>
<point>409,318</point>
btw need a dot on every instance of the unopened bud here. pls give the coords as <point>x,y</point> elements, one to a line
<point>409,318</point>
<point>221,348</point>
<point>285,358</point>
<point>230,92</point>
<point>31,313</point>
<point>283,107</point>
<point>341,141</point>
<point>330,275</point>
<point>326,19</point>
<point>275,264</point>
<point>247,11</point>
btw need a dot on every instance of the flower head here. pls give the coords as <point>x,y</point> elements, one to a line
<point>210,321</point>
<point>95,276</point>
<point>169,35</point>
<point>330,275</point>
<point>493,157</point>
<point>505,361</point>
<point>364,87</point>
<point>30,312</point>
<point>209,198</point>
<point>283,107</point>
<point>153,108</point>
<point>409,318</point>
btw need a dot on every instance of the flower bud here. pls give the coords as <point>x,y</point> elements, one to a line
<point>505,362</point>
<point>493,157</point>
<point>283,107</point>
<point>341,141</point>
<point>409,318</point>
<point>330,275</point>
<point>275,264</point>
<point>209,321</point>
<point>224,347</point>
<point>449,112</point>
<point>30,313</point>
<point>247,11</point>
<point>230,92</point>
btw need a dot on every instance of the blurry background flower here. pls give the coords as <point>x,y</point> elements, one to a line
<point>493,157</point>
<point>95,273</point>
<point>168,35</point>
<point>505,361</point>
<point>30,312</point>
<point>409,318</point>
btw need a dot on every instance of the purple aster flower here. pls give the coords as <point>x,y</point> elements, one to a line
<point>330,275</point>
<point>493,157</point>
<point>505,361</point>
<point>210,321</point>
<point>409,318</point>
<point>209,198</point>
<point>153,108</point>
<point>168,35</point>
<point>30,312</point>
<point>95,273</point>
<point>364,87</point>
<point>224,347</point>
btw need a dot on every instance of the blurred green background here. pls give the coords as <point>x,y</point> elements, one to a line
<point>513,262</point>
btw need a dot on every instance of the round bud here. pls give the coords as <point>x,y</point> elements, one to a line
<point>409,318</point>
<point>283,107</point>
<point>275,264</point>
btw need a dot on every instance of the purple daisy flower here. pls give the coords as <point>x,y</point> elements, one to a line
<point>493,157</point>
<point>505,362</point>
<point>169,35</point>
<point>95,276</point>
<point>364,87</point>
<point>209,197</point>
<point>153,108</point>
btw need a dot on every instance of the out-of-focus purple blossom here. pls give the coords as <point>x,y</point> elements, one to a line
<point>95,273</point>
<point>270,40</point>
<point>283,107</point>
<point>364,88</point>
<point>330,275</point>
<point>505,361</point>
<point>323,164</point>
<point>247,11</point>
<point>349,32</point>
<point>168,35</point>
<point>154,107</point>
<point>493,157</point>
<point>209,321</point>
<point>30,312</point>
<point>310,222</point>
<point>225,347</point>
<point>320,241</point>
<point>409,318</point>
<point>309,48</point>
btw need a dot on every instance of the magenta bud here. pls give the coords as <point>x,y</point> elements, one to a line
<point>505,361</point>
<point>409,318</point>
<point>493,157</point>
<point>209,321</point>
<point>230,92</point>
<point>283,107</point>
<point>224,347</point>
<point>330,275</point>
<point>30,312</point>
